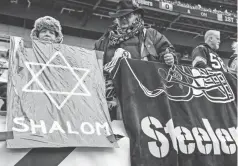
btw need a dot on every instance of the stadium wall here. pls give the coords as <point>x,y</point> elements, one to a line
<point>9,30</point>
<point>94,24</point>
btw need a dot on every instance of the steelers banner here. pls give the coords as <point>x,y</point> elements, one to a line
<point>177,115</point>
<point>56,97</point>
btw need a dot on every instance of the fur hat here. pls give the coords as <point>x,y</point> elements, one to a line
<point>48,23</point>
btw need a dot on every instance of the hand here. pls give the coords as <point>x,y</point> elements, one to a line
<point>169,59</point>
<point>120,52</point>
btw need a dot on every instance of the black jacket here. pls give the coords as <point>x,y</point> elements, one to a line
<point>156,46</point>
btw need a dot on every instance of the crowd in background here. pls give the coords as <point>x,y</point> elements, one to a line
<point>199,7</point>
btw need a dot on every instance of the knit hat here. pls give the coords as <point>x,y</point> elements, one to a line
<point>50,23</point>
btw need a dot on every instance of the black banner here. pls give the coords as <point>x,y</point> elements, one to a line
<point>179,116</point>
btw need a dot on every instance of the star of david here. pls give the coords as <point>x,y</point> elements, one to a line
<point>48,92</point>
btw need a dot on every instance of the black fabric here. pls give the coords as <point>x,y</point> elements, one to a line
<point>132,45</point>
<point>200,51</point>
<point>152,96</point>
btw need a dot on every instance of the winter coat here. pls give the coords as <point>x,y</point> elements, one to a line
<point>156,46</point>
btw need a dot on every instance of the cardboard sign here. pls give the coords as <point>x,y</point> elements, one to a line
<point>56,97</point>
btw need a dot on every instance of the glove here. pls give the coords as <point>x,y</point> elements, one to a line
<point>169,59</point>
<point>120,52</point>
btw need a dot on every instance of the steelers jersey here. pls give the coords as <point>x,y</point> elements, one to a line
<point>205,57</point>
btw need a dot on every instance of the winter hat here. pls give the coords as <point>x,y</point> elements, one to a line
<point>50,23</point>
<point>125,7</point>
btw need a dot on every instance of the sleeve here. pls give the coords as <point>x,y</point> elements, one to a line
<point>111,97</point>
<point>102,42</point>
<point>97,45</point>
<point>199,58</point>
<point>163,46</point>
<point>101,45</point>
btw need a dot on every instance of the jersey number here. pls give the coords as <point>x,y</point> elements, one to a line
<point>214,61</point>
<point>217,62</point>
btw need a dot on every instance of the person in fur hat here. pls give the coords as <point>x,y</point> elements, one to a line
<point>232,63</point>
<point>48,29</point>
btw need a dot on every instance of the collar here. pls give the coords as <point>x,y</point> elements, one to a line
<point>206,45</point>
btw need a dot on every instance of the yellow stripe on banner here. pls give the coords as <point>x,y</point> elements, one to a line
<point>102,156</point>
